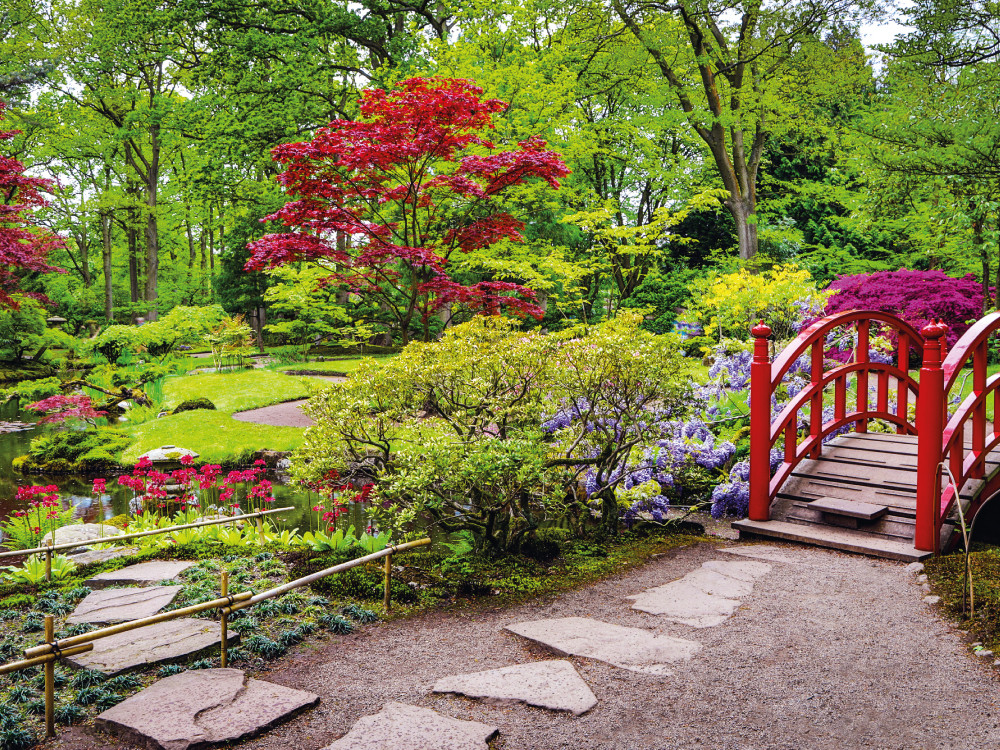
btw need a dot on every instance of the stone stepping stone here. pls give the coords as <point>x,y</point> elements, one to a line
<point>767,552</point>
<point>634,649</point>
<point>120,605</point>
<point>142,574</point>
<point>401,727</point>
<point>704,597</point>
<point>202,707</point>
<point>553,684</point>
<point>164,641</point>
<point>103,555</point>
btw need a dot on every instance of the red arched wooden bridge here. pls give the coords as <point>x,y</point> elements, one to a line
<point>899,468</point>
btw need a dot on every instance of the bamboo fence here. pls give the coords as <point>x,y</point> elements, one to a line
<point>48,652</point>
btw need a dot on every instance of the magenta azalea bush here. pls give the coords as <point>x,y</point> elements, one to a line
<point>915,296</point>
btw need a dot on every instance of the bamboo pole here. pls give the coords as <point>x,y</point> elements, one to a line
<point>48,561</point>
<point>50,681</point>
<point>387,593</point>
<point>136,535</point>
<point>15,666</point>
<point>224,622</point>
<point>124,627</point>
<point>313,577</point>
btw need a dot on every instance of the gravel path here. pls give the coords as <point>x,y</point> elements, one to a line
<point>288,414</point>
<point>835,651</point>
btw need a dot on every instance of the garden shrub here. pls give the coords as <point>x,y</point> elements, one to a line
<point>915,296</point>
<point>21,328</point>
<point>492,430</point>
<point>194,404</point>
<point>29,391</point>
<point>729,305</point>
<point>116,340</point>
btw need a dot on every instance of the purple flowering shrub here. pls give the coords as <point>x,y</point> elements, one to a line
<point>915,296</point>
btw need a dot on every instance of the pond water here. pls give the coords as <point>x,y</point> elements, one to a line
<point>77,490</point>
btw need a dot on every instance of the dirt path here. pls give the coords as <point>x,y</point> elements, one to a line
<point>288,414</point>
<point>834,651</point>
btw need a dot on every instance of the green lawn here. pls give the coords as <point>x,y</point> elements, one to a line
<point>215,436</point>
<point>239,391</point>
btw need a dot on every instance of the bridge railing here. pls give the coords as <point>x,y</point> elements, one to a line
<point>966,437</point>
<point>766,378</point>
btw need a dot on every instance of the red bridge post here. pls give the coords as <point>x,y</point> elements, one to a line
<point>930,428</point>
<point>760,426</point>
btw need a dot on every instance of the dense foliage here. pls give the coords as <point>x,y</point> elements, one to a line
<point>916,296</point>
<point>470,429</point>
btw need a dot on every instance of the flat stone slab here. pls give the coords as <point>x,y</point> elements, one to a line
<point>553,684</point>
<point>164,641</point>
<point>103,555</point>
<point>767,552</point>
<point>401,727</point>
<point>120,605</point>
<point>81,532</point>
<point>704,597</point>
<point>202,707</point>
<point>142,574</point>
<point>629,648</point>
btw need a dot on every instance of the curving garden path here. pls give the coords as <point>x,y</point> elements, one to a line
<point>287,414</point>
<point>770,647</point>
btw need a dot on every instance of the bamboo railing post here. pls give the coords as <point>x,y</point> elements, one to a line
<point>387,594</point>
<point>50,681</point>
<point>48,561</point>
<point>224,620</point>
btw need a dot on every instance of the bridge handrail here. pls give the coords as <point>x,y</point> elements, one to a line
<point>819,328</point>
<point>780,422</point>
<point>967,346</point>
<point>767,376</point>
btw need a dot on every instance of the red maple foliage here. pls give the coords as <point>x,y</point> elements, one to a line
<point>63,408</point>
<point>384,202</point>
<point>22,246</point>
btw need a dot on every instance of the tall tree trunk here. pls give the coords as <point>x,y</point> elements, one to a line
<point>133,259</point>
<point>743,211</point>
<point>152,230</point>
<point>192,253</point>
<point>106,258</point>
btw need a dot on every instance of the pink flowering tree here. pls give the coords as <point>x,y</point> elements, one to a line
<point>385,202</point>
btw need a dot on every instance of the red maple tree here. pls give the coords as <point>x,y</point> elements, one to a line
<point>384,202</point>
<point>23,246</point>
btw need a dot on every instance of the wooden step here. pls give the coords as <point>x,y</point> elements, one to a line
<point>848,540</point>
<point>837,507</point>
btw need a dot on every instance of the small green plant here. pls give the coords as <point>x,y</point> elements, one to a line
<point>88,678</point>
<point>337,624</point>
<point>69,714</point>
<point>360,614</point>
<point>202,664</point>
<point>33,623</point>
<point>265,647</point>
<point>289,638</point>
<point>170,669</point>
<point>237,654</point>
<point>77,593</point>
<point>17,738</point>
<point>106,700</point>
<point>54,606</point>
<point>21,694</point>
<point>36,707</point>
<point>33,571</point>
<point>123,682</point>
<point>18,601</point>
<point>88,696</point>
